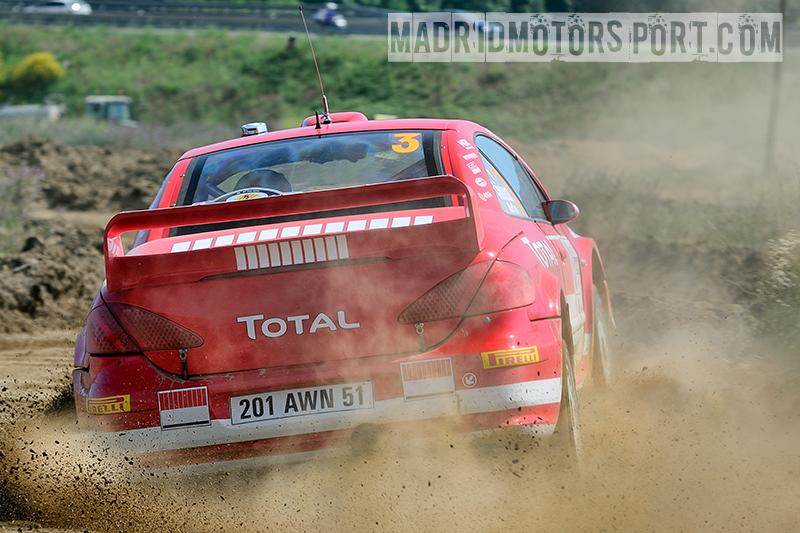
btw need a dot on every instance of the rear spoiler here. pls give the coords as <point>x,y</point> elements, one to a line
<point>163,267</point>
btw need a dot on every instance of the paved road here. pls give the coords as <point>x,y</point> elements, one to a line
<point>171,14</point>
<point>243,16</point>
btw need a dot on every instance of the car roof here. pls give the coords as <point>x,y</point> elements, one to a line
<point>338,127</point>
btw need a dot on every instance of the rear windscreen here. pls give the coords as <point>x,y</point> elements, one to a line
<point>311,164</point>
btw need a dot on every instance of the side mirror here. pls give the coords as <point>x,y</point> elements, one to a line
<point>560,211</point>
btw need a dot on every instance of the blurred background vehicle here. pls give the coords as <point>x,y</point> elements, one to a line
<point>329,17</point>
<point>66,7</point>
<point>114,108</point>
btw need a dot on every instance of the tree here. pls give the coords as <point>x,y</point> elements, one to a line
<point>35,75</point>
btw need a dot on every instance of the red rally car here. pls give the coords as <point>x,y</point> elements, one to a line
<point>286,289</point>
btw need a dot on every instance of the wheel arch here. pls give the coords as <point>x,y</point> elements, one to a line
<point>592,273</point>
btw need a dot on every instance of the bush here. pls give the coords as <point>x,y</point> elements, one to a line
<point>35,75</point>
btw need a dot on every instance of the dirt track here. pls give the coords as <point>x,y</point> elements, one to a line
<point>698,433</point>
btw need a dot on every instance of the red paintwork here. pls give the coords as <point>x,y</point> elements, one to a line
<point>217,293</point>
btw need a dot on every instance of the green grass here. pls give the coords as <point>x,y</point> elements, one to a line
<point>229,78</point>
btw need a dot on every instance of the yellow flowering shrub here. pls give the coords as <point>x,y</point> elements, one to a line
<point>36,73</point>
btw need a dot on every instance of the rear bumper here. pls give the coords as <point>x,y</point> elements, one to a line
<point>220,441</point>
<point>504,372</point>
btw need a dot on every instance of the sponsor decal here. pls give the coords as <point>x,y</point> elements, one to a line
<point>469,156</point>
<point>503,193</point>
<point>466,144</point>
<point>484,195</point>
<point>513,357</point>
<point>469,380</point>
<point>473,167</point>
<point>543,252</point>
<point>425,379</point>
<point>113,248</point>
<point>247,196</point>
<point>512,209</point>
<point>278,327</point>
<point>111,405</point>
<point>480,182</point>
<point>180,408</point>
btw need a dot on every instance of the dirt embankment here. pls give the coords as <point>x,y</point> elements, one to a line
<point>49,284</point>
<point>90,178</point>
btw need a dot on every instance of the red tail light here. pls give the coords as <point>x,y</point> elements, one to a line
<point>121,328</point>
<point>506,286</point>
<point>473,291</point>
<point>105,335</point>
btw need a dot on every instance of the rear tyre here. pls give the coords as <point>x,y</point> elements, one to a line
<point>601,342</point>
<point>568,426</point>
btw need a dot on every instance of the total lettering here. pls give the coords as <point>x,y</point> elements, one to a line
<point>278,327</point>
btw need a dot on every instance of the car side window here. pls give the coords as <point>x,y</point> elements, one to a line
<point>496,157</point>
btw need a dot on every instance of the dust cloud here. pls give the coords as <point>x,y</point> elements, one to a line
<point>698,431</point>
<point>694,434</point>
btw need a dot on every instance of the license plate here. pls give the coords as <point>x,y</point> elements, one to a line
<point>297,402</point>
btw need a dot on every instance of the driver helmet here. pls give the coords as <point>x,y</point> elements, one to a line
<point>264,177</point>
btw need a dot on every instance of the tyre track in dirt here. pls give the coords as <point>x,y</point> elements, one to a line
<point>27,360</point>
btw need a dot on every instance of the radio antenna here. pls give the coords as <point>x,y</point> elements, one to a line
<point>326,119</point>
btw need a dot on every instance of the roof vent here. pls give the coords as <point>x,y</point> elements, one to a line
<point>253,128</point>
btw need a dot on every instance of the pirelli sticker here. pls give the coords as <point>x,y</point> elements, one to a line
<point>111,405</point>
<point>513,357</point>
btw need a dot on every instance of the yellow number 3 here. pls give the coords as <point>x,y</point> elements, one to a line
<point>406,142</point>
